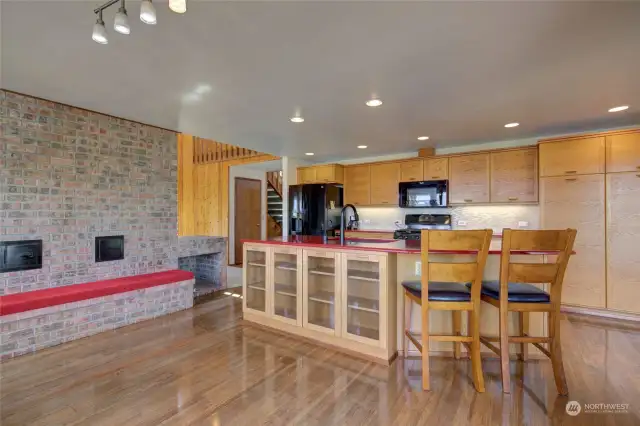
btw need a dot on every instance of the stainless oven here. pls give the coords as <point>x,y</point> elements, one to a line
<point>431,193</point>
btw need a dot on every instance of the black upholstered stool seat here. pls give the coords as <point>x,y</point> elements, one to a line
<point>518,292</point>
<point>440,291</point>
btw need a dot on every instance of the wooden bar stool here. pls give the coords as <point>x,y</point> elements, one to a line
<point>515,293</point>
<point>442,287</point>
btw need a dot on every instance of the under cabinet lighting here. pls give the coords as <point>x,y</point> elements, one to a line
<point>619,108</point>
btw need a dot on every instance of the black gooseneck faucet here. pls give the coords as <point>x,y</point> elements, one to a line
<point>342,225</point>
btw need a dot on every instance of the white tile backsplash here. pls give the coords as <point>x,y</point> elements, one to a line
<point>495,217</point>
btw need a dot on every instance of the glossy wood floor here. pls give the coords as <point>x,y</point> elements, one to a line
<point>205,367</point>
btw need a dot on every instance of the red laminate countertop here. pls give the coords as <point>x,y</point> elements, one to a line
<point>397,246</point>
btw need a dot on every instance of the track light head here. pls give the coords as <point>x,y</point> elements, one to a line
<point>99,31</point>
<point>121,21</point>
<point>148,12</point>
<point>178,6</point>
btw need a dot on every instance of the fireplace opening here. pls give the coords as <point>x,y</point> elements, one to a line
<point>109,248</point>
<point>20,255</point>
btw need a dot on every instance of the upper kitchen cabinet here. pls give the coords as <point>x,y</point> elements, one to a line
<point>384,183</point>
<point>357,185</point>
<point>623,152</point>
<point>576,156</point>
<point>514,176</point>
<point>469,179</point>
<point>411,171</point>
<point>326,173</point>
<point>436,168</point>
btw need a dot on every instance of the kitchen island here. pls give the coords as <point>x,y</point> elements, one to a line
<point>350,296</point>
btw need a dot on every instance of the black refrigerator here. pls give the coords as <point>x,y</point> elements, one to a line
<point>314,209</point>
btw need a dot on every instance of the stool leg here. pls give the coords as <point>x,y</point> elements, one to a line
<point>504,349</point>
<point>457,331</point>
<point>425,345</point>
<point>407,324</point>
<point>476,359</point>
<point>523,324</point>
<point>556,353</point>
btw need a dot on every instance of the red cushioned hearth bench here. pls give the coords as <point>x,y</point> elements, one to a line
<point>37,319</point>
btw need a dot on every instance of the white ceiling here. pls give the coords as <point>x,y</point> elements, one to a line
<point>456,71</point>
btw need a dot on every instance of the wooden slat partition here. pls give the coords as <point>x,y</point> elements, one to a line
<point>209,151</point>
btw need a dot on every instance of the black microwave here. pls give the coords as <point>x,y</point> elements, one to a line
<point>431,193</point>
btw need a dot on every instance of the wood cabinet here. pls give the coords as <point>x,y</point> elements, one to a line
<point>514,176</point>
<point>576,156</point>
<point>357,185</point>
<point>436,168</point>
<point>411,171</point>
<point>325,173</point>
<point>623,152</point>
<point>469,179</point>
<point>345,299</point>
<point>623,236</point>
<point>384,184</point>
<point>579,202</point>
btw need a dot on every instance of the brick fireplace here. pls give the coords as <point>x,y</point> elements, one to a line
<point>206,258</point>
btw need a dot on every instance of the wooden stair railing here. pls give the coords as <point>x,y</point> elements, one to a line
<point>275,180</point>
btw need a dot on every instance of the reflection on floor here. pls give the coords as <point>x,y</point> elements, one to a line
<point>203,287</point>
<point>205,366</point>
<point>234,276</point>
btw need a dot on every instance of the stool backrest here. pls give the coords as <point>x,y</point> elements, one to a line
<point>548,242</point>
<point>456,244</point>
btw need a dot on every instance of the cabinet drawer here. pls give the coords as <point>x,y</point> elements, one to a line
<point>572,157</point>
<point>623,152</point>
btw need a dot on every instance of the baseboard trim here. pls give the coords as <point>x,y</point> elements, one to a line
<point>604,313</point>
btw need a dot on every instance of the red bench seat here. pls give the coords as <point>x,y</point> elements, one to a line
<point>28,301</point>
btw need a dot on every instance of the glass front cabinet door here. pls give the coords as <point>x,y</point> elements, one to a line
<point>363,298</point>
<point>255,279</point>
<point>322,290</point>
<point>287,284</point>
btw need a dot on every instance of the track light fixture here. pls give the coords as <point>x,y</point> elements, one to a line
<point>121,20</point>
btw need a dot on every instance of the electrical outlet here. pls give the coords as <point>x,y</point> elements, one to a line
<point>462,223</point>
<point>418,268</point>
<point>523,224</point>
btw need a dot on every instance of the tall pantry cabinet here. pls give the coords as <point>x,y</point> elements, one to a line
<point>592,183</point>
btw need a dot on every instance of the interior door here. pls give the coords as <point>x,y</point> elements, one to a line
<point>248,212</point>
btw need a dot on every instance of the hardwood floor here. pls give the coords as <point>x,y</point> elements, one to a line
<point>204,366</point>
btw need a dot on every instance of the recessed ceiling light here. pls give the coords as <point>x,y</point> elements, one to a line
<point>512,125</point>
<point>374,102</point>
<point>362,146</point>
<point>308,153</point>
<point>619,108</point>
<point>423,138</point>
<point>297,119</point>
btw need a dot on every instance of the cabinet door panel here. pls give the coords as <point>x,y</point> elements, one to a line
<point>623,238</point>
<point>469,179</point>
<point>357,186</point>
<point>514,176</point>
<point>321,289</point>
<point>256,279</point>
<point>306,175</point>
<point>436,168</point>
<point>623,152</point>
<point>325,173</point>
<point>363,299</point>
<point>384,184</point>
<point>286,270</point>
<point>411,171</point>
<point>572,157</point>
<point>579,202</point>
